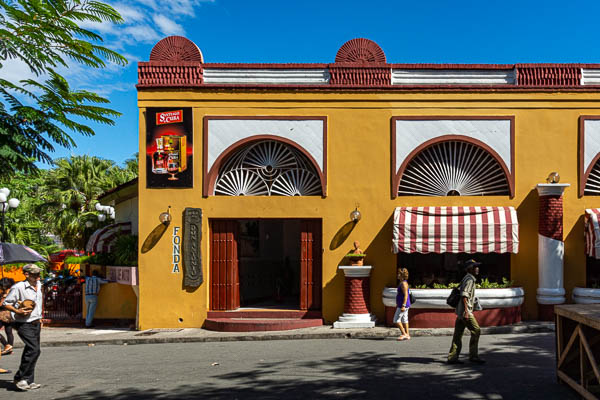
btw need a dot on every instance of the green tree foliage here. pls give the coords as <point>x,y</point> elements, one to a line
<point>72,191</point>
<point>60,201</point>
<point>23,225</point>
<point>38,114</point>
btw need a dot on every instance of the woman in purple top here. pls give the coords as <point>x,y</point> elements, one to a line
<point>402,305</point>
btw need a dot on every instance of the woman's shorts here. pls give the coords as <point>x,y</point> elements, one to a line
<point>400,316</point>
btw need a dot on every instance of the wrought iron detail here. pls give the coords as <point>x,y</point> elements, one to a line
<point>192,257</point>
<point>268,168</point>
<point>453,168</point>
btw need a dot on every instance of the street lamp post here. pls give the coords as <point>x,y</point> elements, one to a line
<point>5,204</point>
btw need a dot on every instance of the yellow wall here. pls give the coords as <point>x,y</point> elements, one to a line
<point>115,301</point>
<point>359,156</point>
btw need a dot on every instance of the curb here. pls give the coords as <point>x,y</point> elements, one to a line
<point>537,327</point>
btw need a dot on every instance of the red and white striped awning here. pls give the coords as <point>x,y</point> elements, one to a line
<point>102,239</point>
<point>592,232</point>
<point>455,230</point>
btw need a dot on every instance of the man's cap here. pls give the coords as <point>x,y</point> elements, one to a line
<point>471,263</point>
<point>32,269</point>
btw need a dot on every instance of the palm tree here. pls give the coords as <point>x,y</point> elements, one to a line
<point>73,188</point>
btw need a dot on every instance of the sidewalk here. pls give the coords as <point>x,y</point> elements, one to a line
<point>54,337</point>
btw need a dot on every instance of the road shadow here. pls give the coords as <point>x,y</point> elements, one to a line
<point>519,368</point>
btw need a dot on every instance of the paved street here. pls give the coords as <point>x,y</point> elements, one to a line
<point>520,366</point>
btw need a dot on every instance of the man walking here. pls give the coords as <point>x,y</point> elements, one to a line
<point>92,288</point>
<point>25,302</point>
<point>465,317</point>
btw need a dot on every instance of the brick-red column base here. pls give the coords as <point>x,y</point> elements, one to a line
<point>445,318</point>
<point>546,312</point>
<point>357,292</point>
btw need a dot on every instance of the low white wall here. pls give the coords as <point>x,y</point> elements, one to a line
<point>586,295</point>
<point>436,298</point>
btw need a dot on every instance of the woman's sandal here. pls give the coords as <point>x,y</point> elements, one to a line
<point>400,338</point>
<point>5,371</point>
<point>7,350</point>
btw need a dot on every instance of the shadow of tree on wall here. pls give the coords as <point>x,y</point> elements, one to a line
<point>521,368</point>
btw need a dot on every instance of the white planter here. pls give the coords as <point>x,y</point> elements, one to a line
<point>436,298</point>
<point>586,295</point>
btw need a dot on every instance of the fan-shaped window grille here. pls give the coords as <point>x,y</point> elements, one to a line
<point>268,168</point>
<point>592,185</point>
<point>453,168</point>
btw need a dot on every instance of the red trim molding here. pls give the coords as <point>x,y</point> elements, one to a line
<point>176,49</point>
<point>210,176</point>
<point>170,74</point>
<point>553,75</point>
<point>176,62</point>
<point>360,50</point>
<point>584,174</point>
<point>353,75</point>
<point>396,176</point>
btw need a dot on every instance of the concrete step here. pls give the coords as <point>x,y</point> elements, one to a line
<point>259,324</point>
<point>266,314</point>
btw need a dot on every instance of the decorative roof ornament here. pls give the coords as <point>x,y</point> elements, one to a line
<point>360,51</point>
<point>176,49</point>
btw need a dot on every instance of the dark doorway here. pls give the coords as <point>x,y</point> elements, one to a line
<point>268,263</point>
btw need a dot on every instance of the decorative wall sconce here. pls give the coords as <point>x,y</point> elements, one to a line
<point>165,217</point>
<point>355,215</point>
<point>553,177</point>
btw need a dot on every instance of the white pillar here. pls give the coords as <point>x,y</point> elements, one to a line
<point>551,247</point>
<point>356,302</point>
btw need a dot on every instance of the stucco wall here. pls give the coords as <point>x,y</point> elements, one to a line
<point>359,157</point>
<point>127,211</point>
<point>115,301</point>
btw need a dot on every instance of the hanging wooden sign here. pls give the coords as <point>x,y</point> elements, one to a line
<point>192,238</point>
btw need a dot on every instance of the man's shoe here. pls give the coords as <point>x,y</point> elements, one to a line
<point>22,385</point>
<point>477,360</point>
<point>457,361</point>
<point>33,386</point>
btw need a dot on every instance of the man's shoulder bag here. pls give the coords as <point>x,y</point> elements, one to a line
<point>453,298</point>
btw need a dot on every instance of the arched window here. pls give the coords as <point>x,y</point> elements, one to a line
<point>453,168</point>
<point>268,168</point>
<point>592,184</point>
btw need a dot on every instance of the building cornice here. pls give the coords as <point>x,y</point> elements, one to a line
<point>176,62</point>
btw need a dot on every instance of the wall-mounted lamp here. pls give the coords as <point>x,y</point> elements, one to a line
<point>553,177</point>
<point>165,217</point>
<point>355,215</point>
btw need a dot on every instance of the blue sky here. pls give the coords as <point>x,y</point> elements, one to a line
<point>312,31</point>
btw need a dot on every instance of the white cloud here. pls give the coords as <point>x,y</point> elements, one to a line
<point>15,70</point>
<point>129,14</point>
<point>98,27</point>
<point>140,34</point>
<point>174,8</point>
<point>168,26</point>
<point>145,23</point>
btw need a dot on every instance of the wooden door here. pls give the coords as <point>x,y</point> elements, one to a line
<point>311,256</point>
<point>224,275</point>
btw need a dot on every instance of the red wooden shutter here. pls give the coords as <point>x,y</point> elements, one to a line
<point>224,276</point>
<point>310,264</point>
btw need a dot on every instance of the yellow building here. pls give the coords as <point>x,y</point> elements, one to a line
<point>272,158</point>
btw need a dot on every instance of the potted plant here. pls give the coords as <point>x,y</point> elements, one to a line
<point>355,255</point>
<point>494,297</point>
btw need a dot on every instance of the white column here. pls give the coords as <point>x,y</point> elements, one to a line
<point>356,302</point>
<point>551,247</point>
